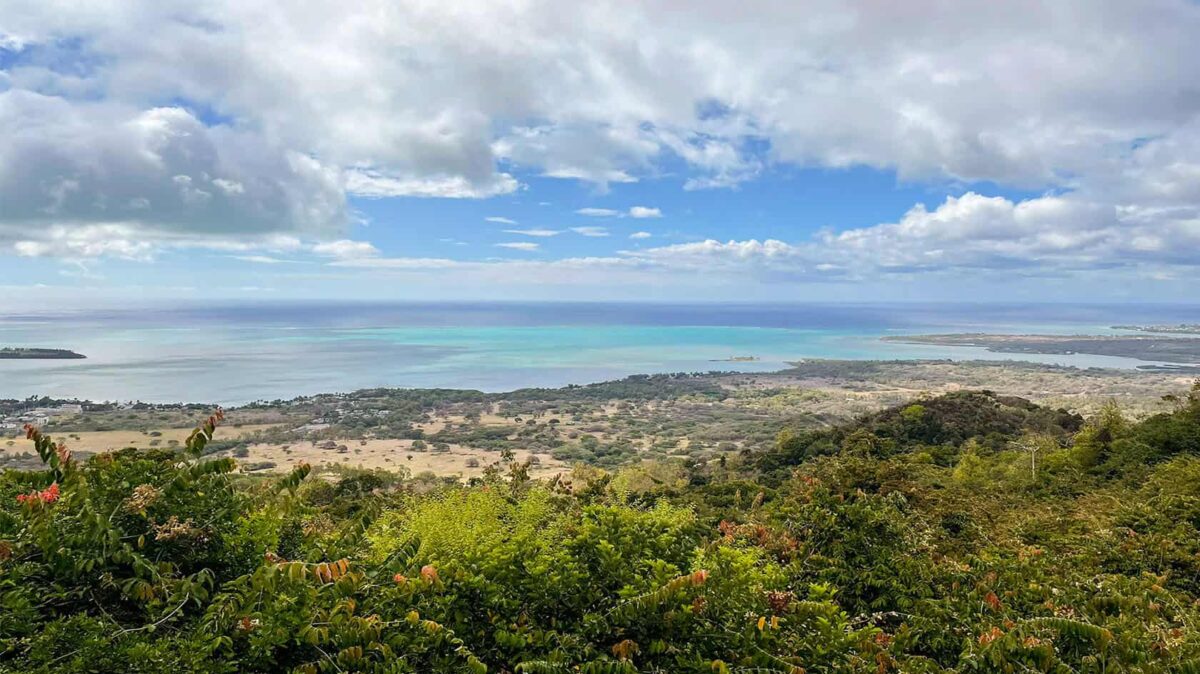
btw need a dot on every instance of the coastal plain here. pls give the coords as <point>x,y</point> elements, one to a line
<point>457,434</point>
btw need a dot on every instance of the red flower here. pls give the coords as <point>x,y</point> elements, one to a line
<point>46,496</point>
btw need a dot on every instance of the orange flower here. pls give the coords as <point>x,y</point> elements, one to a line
<point>625,649</point>
<point>400,578</point>
<point>993,601</point>
<point>429,573</point>
<point>988,637</point>
<point>698,577</point>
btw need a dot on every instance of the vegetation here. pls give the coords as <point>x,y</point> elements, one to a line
<point>18,353</point>
<point>969,532</point>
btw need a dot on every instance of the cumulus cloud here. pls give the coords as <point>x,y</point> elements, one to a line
<point>640,235</point>
<point>973,233</point>
<point>644,212</point>
<point>376,184</point>
<point>74,173</point>
<point>422,93</point>
<point>277,113</point>
<point>590,231</point>
<point>500,220</point>
<point>519,245</point>
<point>119,241</point>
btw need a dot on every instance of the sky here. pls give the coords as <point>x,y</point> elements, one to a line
<point>667,150</point>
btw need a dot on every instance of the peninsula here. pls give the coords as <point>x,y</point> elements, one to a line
<point>19,353</point>
<point>1181,329</point>
<point>1181,350</point>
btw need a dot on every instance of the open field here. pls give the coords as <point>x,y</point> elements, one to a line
<point>106,441</point>
<point>391,455</point>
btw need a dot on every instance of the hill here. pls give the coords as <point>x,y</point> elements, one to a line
<point>967,532</point>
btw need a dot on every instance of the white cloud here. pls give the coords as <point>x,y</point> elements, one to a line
<point>148,176</point>
<point>119,241</point>
<point>1093,103</point>
<point>345,249</point>
<point>640,235</point>
<point>519,245</point>
<point>590,231</point>
<point>426,93</point>
<point>534,232</point>
<point>400,263</point>
<point>644,212</point>
<point>500,220</point>
<point>633,212</point>
<point>260,259</point>
<point>375,184</point>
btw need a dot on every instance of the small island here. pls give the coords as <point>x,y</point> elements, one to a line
<point>19,353</point>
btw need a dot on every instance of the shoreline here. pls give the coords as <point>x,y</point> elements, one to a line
<point>835,368</point>
<point>1162,352</point>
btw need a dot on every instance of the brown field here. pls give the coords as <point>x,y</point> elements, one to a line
<point>386,454</point>
<point>392,455</point>
<point>107,441</point>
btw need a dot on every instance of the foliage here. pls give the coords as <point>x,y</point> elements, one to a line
<point>965,533</point>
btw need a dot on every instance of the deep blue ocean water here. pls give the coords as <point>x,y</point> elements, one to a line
<point>236,353</point>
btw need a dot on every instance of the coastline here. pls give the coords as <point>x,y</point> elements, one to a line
<point>26,353</point>
<point>234,354</point>
<point>1180,352</point>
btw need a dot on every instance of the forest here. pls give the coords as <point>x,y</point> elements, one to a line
<point>964,532</point>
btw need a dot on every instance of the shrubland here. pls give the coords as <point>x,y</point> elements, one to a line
<point>968,532</point>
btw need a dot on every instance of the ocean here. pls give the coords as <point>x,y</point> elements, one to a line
<point>237,353</point>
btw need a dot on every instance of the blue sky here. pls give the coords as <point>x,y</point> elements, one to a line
<point>846,152</point>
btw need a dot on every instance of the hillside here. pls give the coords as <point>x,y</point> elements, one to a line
<point>964,532</point>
